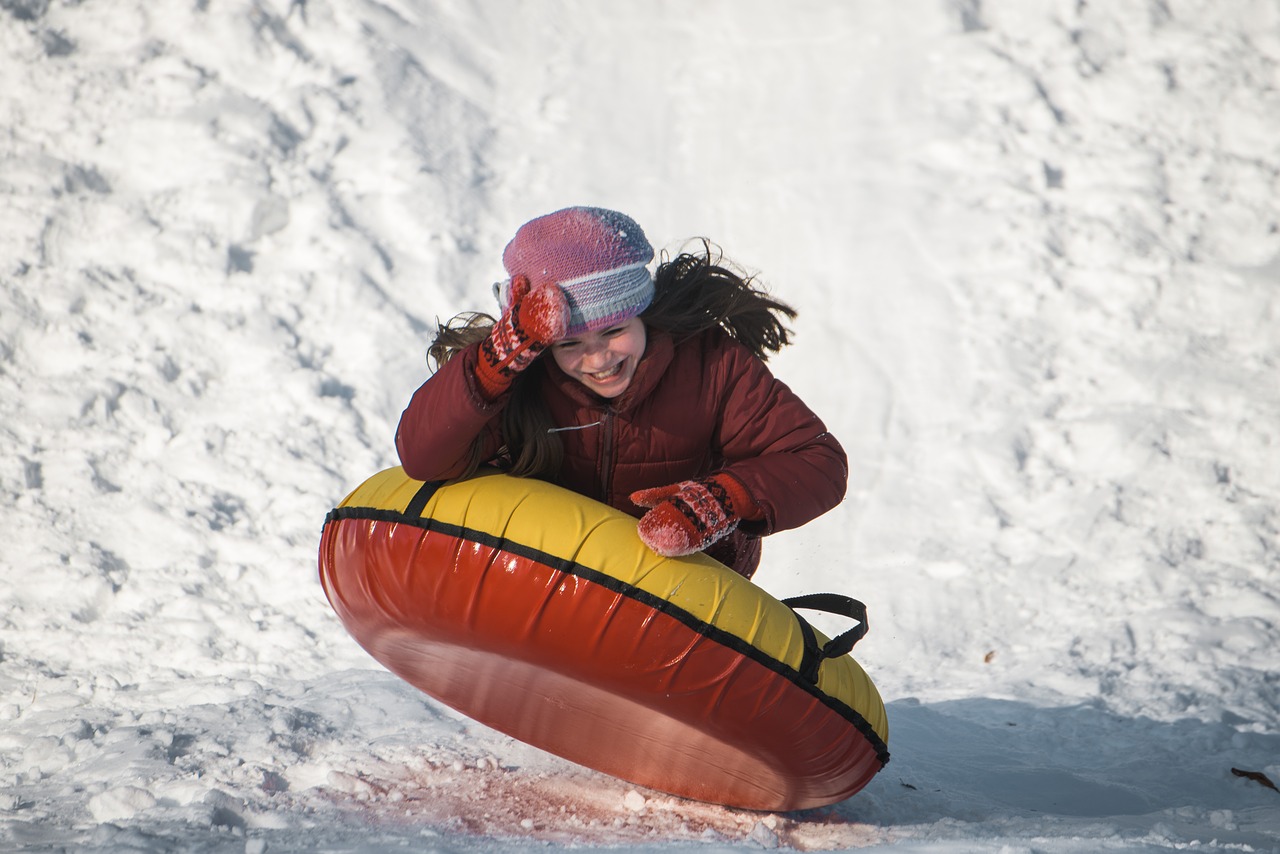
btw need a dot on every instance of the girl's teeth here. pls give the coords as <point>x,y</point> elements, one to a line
<point>604,375</point>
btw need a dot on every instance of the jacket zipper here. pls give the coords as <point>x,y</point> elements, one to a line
<point>606,455</point>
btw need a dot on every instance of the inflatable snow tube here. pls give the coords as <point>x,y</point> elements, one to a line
<point>540,613</point>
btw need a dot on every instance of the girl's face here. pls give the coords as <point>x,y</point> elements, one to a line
<point>603,361</point>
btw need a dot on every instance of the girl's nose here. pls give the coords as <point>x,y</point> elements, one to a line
<point>597,360</point>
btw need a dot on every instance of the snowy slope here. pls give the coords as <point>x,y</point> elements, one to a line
<point>1036,249</point>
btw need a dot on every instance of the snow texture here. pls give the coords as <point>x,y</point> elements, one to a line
<point>1035,245</point>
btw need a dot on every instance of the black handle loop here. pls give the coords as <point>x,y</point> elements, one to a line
<point>832,603</point>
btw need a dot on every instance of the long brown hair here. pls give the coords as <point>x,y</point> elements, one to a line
<point>693,292</point>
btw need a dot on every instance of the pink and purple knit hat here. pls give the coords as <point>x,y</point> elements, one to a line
<point>598,257</point>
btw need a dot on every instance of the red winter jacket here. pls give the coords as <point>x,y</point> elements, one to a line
<point>705,406</point>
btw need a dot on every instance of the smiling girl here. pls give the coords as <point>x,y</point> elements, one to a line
<point>603,361</point>
<point>655,400</point>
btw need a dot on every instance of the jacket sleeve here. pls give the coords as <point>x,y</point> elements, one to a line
<point>775,445</point>
<point>444,418</point>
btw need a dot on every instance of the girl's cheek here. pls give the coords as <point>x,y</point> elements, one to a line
<point>567,359</point>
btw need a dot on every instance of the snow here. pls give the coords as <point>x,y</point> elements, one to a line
<point>1035,245</point>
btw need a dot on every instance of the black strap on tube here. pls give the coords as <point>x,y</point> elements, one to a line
<point>831,603</point>
<point>421,497</point>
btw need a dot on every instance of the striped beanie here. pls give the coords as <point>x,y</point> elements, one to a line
<point>597,256</point>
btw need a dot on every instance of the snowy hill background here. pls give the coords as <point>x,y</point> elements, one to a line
<point>1036,250</point>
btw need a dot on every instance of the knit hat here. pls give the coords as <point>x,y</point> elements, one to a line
<point>597,256</point>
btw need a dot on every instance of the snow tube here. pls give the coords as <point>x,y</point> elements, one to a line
<point>539,613</point>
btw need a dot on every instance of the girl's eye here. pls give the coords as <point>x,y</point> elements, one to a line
<point>617,330</point>
<point>565,345</point>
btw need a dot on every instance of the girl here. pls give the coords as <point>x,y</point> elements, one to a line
<point>655,399</point>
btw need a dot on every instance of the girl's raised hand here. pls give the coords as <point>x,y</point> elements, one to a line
<point>533,321</point>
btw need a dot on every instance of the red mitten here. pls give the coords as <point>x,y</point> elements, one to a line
<point>691,515</point>
<point>534,321</point>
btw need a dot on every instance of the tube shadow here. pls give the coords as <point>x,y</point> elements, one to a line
<point>975,759</point>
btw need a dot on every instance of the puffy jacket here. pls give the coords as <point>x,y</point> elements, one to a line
<point>705,406</point>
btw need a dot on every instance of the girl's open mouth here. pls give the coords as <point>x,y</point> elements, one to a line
<point>605,376</point>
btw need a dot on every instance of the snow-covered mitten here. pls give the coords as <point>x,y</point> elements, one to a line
<point>532,322</point>
<point>687,517</point>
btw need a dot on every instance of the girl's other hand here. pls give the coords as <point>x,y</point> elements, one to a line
<point>688,517</point>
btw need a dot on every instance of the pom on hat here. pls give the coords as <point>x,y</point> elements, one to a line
<point>597,256</point>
